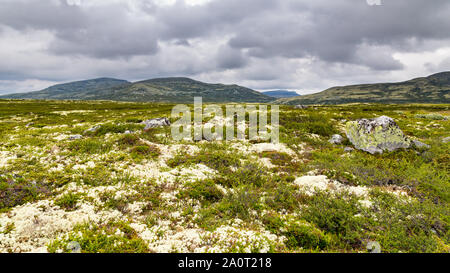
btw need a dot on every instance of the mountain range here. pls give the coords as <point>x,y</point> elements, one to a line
<point>172,90</point>
<point>431,89</point>
<point>281,94</point>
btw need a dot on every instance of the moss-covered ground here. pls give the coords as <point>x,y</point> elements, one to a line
<point>118,191</point>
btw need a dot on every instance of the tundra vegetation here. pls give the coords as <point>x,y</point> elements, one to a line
<point>118,188</point>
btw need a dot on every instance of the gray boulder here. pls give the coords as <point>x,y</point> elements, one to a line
<point>376,135</point>
<point>420,144</point>
<point>336,139</point>
<point>154,123</point>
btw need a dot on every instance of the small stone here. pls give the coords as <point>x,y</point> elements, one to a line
<point>75,137</point>
<point>157,122</point>
<point>127,132</point>
<point>446,140</point>
<point>336,139</point>
<point>29,124</point>
<point>74,247</point>
<point>373,247</point>
<point>348,149</point>
<point>93,129</point>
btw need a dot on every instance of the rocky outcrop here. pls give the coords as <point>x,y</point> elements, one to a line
<point>154,123</point>
<point>376,135</point>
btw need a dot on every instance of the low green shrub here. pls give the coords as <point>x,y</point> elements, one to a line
<point>16,190</point>
<point>68,201</point>
<point>113,237</point>
<point>206,191</point>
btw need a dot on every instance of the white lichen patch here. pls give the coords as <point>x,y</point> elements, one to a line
<point>169,151</point>
<point>311,184</point>
<point>267,163</point>
<point>6,157</point>
<point>247,148</point>
<point>163,239</point>
<point>35,225</point>
<point>55,127</point>
<point>65,113</point>
<point>89,164</point>
<point>59,137</point>
<point>153,170</point>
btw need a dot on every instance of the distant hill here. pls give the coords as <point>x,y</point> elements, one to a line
<point>280,94</point>
<point>176,90</point>
<point>72,90</point>
<point>432,89</point>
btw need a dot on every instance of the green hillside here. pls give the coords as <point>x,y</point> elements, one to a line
<point>432,89</point>
<point>176,90</point>
<point>72,90</point>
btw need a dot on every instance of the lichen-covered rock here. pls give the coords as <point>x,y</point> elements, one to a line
<point>376,135</point>
<point>157,122</point>
<point>336,139</point>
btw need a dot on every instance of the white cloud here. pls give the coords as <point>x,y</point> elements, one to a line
<point>189,2</point>
<point>8,86</point>
<point>419,64</point>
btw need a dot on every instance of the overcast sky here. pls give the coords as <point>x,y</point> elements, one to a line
<point>303,45</point>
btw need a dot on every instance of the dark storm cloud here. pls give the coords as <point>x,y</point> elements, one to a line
<point>111,33</point>
<point>34,14</point>
<point>329,30</point>
<point>102,32</point>
<point>115,31</point>
<point>229,58</point>
<point>262,40</point>
<point>333,30</point>
<point>184,21</point>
